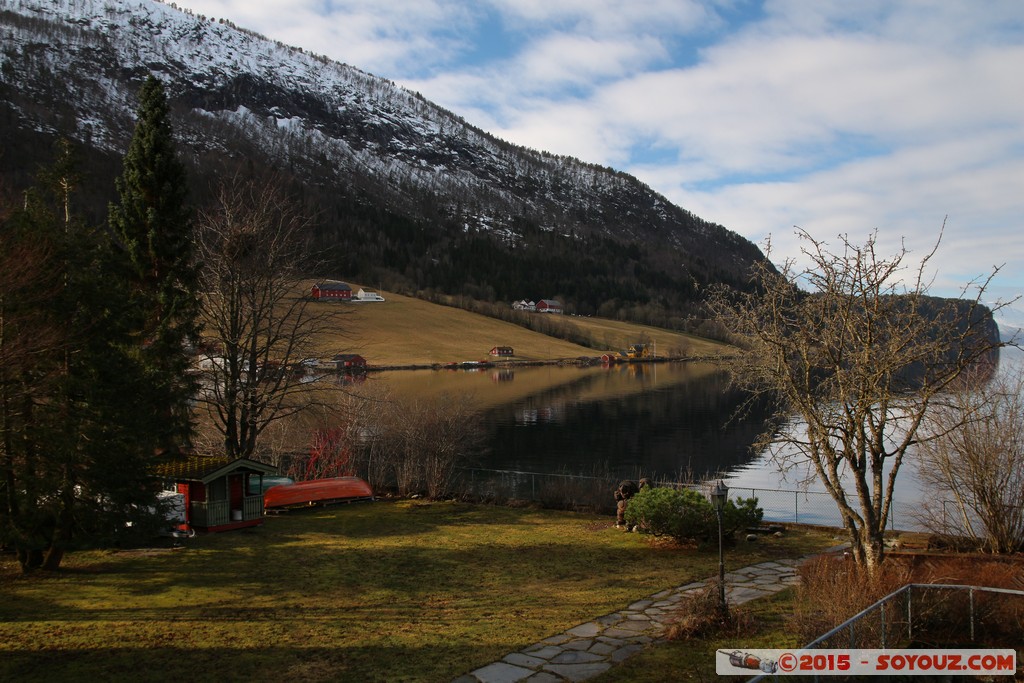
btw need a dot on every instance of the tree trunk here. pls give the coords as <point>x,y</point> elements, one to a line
<point>866,546</point>
<point>30,559</point>
<point>53,558</point>
<point>872,550</point>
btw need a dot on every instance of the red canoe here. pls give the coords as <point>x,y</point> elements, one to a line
<point>317,492</point>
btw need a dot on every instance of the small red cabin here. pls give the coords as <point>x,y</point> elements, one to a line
<point>349,361</point>
<point>331,290</point>
<point>502,351</point>
<point>216,490</point>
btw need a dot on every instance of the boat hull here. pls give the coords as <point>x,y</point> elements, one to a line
<point>317,492</point>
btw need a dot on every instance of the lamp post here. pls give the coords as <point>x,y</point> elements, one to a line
<point>718,495</point>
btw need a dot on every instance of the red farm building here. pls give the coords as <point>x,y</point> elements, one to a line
<point>502,351</point>
<point>217,490</point>
<point>331,290</point>
<point>549,306</point>
<point>349,361</point>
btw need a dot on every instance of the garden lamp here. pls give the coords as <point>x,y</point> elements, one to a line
<point>719,494</point>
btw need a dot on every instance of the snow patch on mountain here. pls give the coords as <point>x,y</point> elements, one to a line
<point>331,121</point>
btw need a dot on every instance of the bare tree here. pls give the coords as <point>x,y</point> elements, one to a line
<point>977,461</point>
<point>257,322</point>
<point>857,352</point>
<point>416,445</point>
<point>446,435</point>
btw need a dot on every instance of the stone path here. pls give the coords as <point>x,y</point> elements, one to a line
<point>592,648</point>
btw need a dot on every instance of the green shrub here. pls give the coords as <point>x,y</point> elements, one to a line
<point>685,514</point>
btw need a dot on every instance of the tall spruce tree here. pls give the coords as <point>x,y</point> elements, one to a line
<point>75,458</point>
<point>151,223</point>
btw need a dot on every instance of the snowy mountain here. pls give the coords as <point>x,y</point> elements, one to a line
<point>402,190</point>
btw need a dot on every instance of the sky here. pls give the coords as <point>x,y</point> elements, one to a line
<point>903,120</point>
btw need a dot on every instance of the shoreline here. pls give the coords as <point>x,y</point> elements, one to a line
<point>582,361</point>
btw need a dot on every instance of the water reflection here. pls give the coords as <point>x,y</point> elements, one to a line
<point>639,420</point>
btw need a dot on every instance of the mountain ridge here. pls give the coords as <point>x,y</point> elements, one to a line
<point>404,191</point>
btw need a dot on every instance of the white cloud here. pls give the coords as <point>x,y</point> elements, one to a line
<point>839,116</point>
<point>609,17</point>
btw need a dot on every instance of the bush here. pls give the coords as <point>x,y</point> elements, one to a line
<point>833,589</point>
<point>685,514</point>
<point>699,615</point>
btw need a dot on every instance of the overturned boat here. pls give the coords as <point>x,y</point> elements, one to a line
<point>316,492</point>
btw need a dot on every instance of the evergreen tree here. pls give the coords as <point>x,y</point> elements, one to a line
<point>151,224</point>
<point>75,457</point>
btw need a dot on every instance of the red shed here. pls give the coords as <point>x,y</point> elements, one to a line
<point>216,490</point>
<point>502,351</point>
<point>331,290</point>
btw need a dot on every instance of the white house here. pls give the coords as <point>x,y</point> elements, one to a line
<point>364,295</point>
<point>524,305</point>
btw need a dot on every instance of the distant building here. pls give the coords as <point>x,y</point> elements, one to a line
<point>549,306</point>
<point>524,305</point>
<point>502,351</point>
<point>331,290</point>
<point>349,361</point>
<point>364,295</point>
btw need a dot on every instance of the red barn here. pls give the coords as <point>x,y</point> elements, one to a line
<point>216,490</point>
<point>502,351</point>
<point>331,290</point>
<point>549,306</point>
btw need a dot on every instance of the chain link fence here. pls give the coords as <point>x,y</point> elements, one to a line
<point>594,494</point>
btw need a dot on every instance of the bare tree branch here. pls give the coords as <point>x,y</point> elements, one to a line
<point>257,322</point>
<point>854,353</point>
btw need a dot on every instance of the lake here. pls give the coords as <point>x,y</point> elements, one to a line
<point>666,421</point>
<point>659,420</point>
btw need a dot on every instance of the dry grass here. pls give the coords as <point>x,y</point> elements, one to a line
<point>834,589</point>
<point>701,615</point>
<point>400,591</point>
<point>405,331</point>
<point>617,335</point>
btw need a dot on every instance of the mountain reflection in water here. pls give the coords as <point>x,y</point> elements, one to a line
<point>653,420</point>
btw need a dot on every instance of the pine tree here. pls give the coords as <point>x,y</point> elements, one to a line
<point>151,223</point>
<point>75,458</point>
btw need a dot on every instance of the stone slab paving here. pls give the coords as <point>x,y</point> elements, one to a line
<point>592,648</point>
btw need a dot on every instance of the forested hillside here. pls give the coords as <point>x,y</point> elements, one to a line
<point>403,194</point>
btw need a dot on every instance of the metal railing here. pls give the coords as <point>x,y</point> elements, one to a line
<point>595,492</point>
<point>252,507</point>
<point>818,508</point>
<point>925,614</point>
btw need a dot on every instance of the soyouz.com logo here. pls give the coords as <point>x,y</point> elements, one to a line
<point>928,662</point>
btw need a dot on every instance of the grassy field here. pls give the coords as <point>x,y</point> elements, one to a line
<point>407,331</point>
<point>387,591</point>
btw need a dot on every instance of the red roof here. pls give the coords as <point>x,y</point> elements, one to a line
<point>332,286</point>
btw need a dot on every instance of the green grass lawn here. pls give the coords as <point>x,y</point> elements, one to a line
<point>386,591</point>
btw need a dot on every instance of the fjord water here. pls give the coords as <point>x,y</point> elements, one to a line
<point>671,421</point>
<point>659,420</point>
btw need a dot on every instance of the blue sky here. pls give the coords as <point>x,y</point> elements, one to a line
<point>840,117</point>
